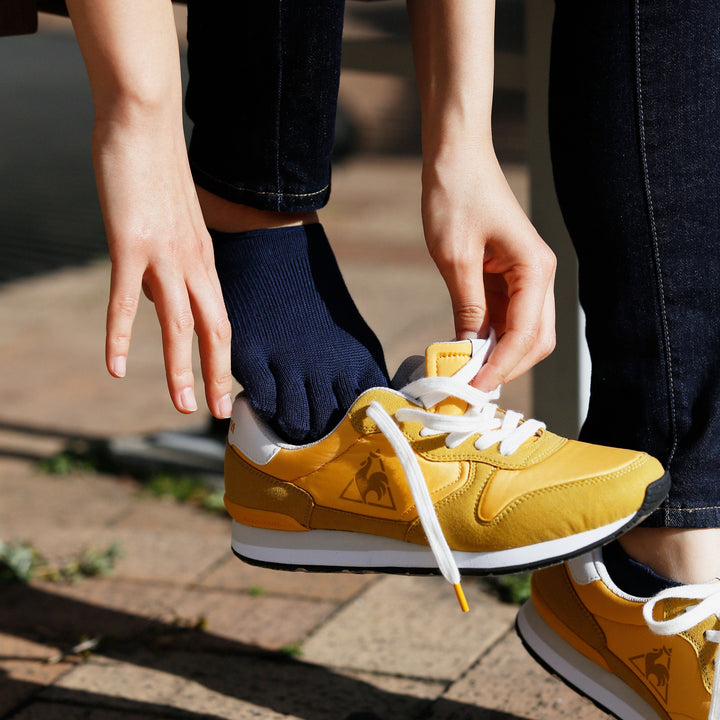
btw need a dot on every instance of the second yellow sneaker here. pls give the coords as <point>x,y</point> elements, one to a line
<point>637,658</point>
<point>431,477</point>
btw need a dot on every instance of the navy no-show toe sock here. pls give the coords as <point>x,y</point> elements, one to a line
<point>632,576</point>
<point>300,347</point>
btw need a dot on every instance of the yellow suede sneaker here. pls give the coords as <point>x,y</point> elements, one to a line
<point>431,477</point>
<point>633,657</point>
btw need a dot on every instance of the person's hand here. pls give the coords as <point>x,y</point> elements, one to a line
<point>498,270</point>
<point>158,243</point>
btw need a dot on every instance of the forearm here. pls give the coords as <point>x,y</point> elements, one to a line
<point>498,270</point>
<point>131,54</point>
<point>453,44</point>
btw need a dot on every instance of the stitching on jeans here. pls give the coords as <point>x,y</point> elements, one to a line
<point>654,234</point>
<point>257,192</point>
<point>692,509</point>
<point>279,98</point>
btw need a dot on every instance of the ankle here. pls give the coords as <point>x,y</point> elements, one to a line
<point>686,555</point>
<point>230,217</point>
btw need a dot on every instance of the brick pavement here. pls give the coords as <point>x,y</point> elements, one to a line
<point>392,647</point>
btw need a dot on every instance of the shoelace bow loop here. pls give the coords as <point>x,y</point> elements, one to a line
<point>708,605</point>
<point>482,418</point>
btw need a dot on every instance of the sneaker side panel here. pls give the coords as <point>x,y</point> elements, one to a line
<point>257,499</point>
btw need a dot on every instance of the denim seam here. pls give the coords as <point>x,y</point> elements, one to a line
<point>691,509</point>
<point>258,192</point>
<point>279,100</point>
<point>655,243</point>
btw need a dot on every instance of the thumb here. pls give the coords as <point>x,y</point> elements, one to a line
<point>469,306</point>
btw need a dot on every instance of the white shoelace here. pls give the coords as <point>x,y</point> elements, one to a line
<point>482,418</point>
<point>709,596</point>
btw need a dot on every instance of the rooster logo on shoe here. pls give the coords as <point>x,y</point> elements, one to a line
<point>655,668</point>
<point>370,485</point>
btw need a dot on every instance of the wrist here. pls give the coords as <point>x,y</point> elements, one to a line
<point>457,130</point>
<point>135,114</point>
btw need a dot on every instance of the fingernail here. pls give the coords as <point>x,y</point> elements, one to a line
<point>187,400</point>
<point>119,366</point>
<point>225,406</point>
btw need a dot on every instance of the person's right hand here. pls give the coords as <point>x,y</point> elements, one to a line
<point>158,243</point>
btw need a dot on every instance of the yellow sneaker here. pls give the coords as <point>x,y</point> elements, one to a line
<point>431,477</point>
<point>633,657</point>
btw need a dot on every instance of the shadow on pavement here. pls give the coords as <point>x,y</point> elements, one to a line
<point>266,679</point>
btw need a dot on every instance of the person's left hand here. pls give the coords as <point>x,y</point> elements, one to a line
<point>498,270</point>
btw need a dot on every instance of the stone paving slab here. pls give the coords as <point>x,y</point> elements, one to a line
<point>36,505</point>
<point>266,621</point>
<point>233,686</point>
<point>62,616</point>
<point>232,574</point>
<point>165,556</point>
<point>24,670</point>
<point>411,626</point>
<point>147,512</point>
<point>64,711</point>
<point>507,681</point>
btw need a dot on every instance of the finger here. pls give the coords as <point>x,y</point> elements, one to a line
<point>125,286</point>
<point>214,334</point>
<point>464,281</point>
<point>545,340</point>
<point>522,327</point>
<point>177,324</point>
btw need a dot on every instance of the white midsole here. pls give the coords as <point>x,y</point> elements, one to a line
<point>587,676</point>
<point>342,549</point>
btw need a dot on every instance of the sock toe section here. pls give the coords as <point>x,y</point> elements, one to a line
<point>303,351</point>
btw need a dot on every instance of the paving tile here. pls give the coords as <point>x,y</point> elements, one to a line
<point>36,505</point>
<point>509,681</point>
<point>161,514</point>
<point>265,621</point>
<point>161,555</point>
<point>233,574</point>
<point>238,686</point>
<point>64,711</point>
<point>63,616</point>
<point>157,602</point>
<point>24,670</point>
<point>166,555</point>
<point>411,626</point>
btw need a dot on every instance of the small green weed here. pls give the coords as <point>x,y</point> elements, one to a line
<point>18,561</point>
<point>293,650</point>
<point>22,562</point>
<point>183,488</point>
<point>72,459</point>
<point>186,489</point>
<point>512,589</point>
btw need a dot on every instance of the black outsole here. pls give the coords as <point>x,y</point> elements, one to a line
<point>655,493</point>
<point>551,670</point>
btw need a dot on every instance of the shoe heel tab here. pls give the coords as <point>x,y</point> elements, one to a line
<point>257,443</point>
<point>584,569</point>
<point>591,567</point>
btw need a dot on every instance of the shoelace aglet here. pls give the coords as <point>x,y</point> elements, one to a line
<point>457,587</point>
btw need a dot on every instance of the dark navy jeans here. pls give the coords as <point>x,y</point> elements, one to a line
<point>262,96</point>
<point>635,132</point>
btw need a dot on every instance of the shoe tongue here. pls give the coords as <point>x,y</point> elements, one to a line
<point>443,360</point>
<point>446,358</point>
